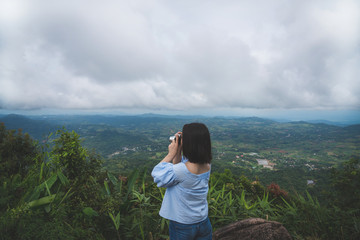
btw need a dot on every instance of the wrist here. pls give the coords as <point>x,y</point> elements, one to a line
<point>168,158</point>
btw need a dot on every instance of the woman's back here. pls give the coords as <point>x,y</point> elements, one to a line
<point>185,199</point>
<point>185,173</point>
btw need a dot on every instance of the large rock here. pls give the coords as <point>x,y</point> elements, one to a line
<point>252,229</point>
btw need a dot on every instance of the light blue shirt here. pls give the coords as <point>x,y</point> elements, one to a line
<point>185,197</point>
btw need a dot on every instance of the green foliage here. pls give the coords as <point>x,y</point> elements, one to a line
<point>72,158</point>
<point>346,183</point>
<point>17,153</point>
<point>65,194</point>
<point>306,218</point>
<point>116,221</point>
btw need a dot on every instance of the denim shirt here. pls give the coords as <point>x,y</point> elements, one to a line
<point>185,199</point>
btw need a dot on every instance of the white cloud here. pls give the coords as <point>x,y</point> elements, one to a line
<point>179,55</point>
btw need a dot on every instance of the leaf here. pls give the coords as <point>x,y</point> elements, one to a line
<point>42,201</point>
<point>112,179</point>
<point>116,220</point>
<point>45,185</point>
<point>143,183</point>
<point>47,188</point>
<point>132,181</point>
<point>51,180</point>
<point>66,195</point>
<point>63,178</point>
<point>36,193</point>
<point>162,193</point>
<point>107,188</point>
<point>41,171</point>
<point>90,212</point>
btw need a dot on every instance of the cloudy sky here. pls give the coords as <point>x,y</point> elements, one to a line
<point>181,56</point>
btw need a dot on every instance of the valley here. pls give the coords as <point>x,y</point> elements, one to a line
<point>291,154</point>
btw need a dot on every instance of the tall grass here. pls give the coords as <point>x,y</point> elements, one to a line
<point>129,210</point>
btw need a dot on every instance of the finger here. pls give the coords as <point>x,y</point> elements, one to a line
<point>173,143</point>
<point>179,135</point>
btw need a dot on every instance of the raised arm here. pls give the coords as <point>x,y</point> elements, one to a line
<point>174,154</point>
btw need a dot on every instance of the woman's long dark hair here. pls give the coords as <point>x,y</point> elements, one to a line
<point>196,143</point>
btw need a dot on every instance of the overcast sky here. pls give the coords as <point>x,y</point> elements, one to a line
<point>180,55</point>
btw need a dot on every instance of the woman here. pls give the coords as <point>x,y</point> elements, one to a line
<point>185,173</point>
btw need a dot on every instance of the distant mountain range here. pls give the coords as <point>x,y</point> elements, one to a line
<point>39,126</point>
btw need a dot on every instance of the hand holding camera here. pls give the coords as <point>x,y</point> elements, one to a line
<point>173,138</point>
<point>174,154</point>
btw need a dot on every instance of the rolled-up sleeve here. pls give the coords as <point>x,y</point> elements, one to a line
<point>163,174</point>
